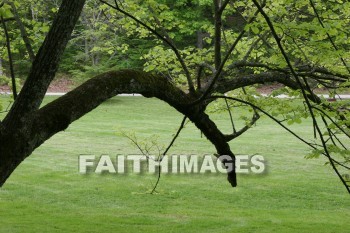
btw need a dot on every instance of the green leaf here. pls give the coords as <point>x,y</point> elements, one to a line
<point>45,28</point>
<point>5,12</point>
<point>255,29</point>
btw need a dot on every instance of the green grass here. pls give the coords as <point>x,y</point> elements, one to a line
<point>47,194</point>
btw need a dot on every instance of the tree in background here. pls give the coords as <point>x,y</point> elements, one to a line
<point>203,53</point>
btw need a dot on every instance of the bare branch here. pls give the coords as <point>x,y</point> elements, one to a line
<point>182,125</point>
<point>231,117</point>
<point>234,135</point>
<point>8,45</point>
<point>217,37</point>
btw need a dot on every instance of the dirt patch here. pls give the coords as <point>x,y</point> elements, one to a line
<point>61,85</point>
<point>267,89</point>
<point>4,89</point>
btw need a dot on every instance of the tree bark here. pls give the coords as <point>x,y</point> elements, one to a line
<point>46,63</point>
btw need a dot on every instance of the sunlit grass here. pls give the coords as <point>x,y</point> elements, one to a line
<point>47,194</point>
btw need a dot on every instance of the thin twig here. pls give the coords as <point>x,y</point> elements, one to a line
<point>217,34</point>
<point>332,135</point>
<point>8,45</point>
<point>330,118</point>
<point>231,118</point>
<point>265,113</point>
<point>254,119</point>
<point>340,164</point>
<point>167,149</point>
<point>199,75</point>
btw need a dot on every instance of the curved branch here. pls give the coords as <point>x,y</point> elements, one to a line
<point>306,70</point>
<point>182,125</point>
<point>96,90</point>
<point>225,85</point>
<point>57,115</point>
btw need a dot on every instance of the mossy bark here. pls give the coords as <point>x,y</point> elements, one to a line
<point>19,142</point>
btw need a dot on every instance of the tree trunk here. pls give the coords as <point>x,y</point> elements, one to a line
<point>46,63</point>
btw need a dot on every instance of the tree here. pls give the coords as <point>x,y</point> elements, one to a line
<point>261,49</point>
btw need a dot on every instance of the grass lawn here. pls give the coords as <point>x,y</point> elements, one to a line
<point>47,193</point>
